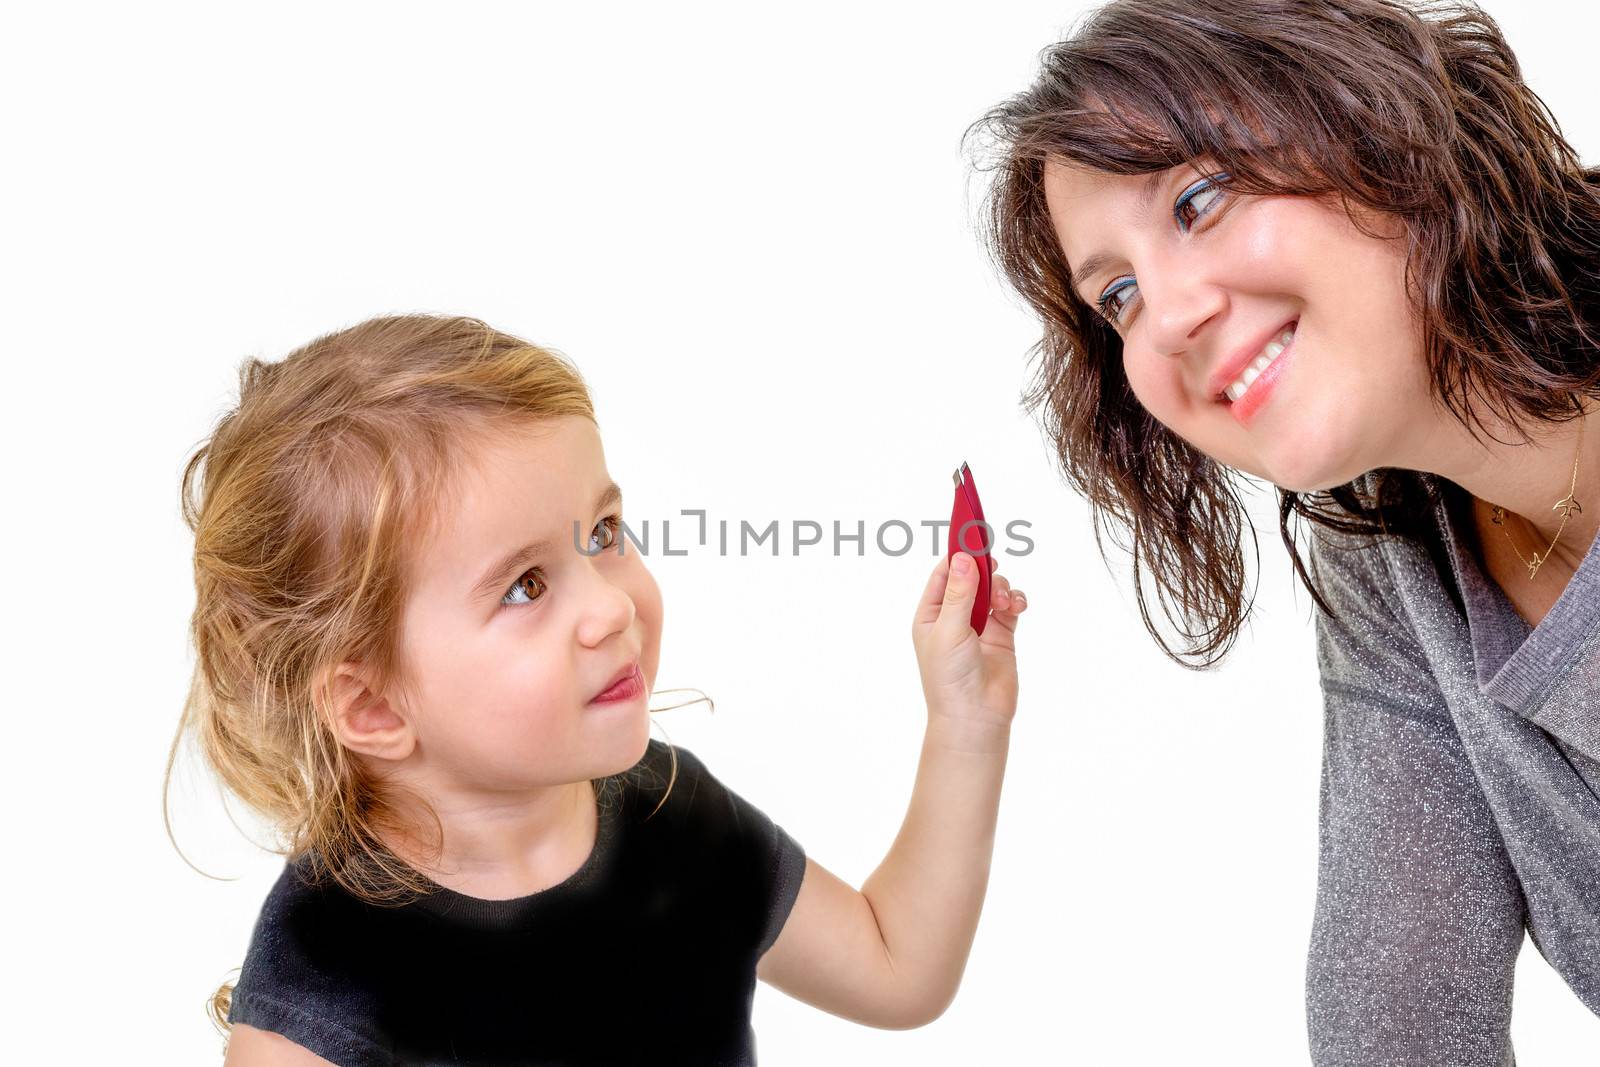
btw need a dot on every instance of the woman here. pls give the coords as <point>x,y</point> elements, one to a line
<point>1339,245</point>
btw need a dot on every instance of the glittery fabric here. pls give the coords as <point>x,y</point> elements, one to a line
<point>1460,799</point>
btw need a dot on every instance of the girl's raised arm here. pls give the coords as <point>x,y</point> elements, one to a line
<point>891,954</point>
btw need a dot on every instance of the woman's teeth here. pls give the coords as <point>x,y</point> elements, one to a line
<point>1271,352</point>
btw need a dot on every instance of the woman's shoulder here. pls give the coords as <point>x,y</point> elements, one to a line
<point>1414,521</point>
<point>1392,586</point>
<point>1353,554</point>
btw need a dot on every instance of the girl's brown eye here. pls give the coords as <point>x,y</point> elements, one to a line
<point>531,583</point>
<point>527,582</point>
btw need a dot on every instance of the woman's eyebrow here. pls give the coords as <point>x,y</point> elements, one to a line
<point>1089,269</point>
<point>533,551</point>
<point>1092,264</point>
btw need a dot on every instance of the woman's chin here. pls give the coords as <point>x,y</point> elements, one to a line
<point>1305,470</point>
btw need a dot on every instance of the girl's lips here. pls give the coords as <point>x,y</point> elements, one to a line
<point>626,689</point>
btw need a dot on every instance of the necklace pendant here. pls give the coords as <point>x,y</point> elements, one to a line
<point>1567,506</point>
<point>1498,515</point>
<point>1533,565</point>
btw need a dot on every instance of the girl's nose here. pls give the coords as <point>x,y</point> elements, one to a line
<point>606,608</point>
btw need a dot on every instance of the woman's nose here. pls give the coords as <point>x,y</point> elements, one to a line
<point>1177,304</point>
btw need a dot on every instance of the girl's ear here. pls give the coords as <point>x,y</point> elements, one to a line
<point>365,722</point>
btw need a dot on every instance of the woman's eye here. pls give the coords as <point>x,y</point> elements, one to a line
<point>534,577</point>
<point>1198,199</point>
<point>1203,193</point>
<point>1114,296</point>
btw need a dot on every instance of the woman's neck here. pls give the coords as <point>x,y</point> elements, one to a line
<point>1533,482</point>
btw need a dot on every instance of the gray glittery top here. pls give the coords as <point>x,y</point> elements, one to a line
<point>1460,798</point>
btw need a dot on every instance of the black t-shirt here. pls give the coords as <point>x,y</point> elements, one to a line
<point>646,954</point>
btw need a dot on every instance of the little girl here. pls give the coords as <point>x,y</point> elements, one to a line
<point>423,654</point>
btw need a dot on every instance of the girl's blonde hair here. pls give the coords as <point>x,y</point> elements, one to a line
<point>302,502</point>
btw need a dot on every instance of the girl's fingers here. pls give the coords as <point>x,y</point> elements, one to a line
<point>1014,601</point>
<point>1002,598</point>
<point>1004,615</point>
<point>1005,598</point>
<point>933,593</point>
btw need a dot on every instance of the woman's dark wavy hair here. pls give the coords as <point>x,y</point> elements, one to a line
<point>1416,110</point>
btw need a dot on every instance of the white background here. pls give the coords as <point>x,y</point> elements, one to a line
<point>752,229</point>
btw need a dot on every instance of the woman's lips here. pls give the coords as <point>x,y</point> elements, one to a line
<point>1260,391</point>
<point>1221,395</point>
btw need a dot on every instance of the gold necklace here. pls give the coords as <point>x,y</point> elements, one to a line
<point>1566,505</point>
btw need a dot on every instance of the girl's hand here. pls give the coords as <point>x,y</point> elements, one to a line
<point>966,676</point>
<point>892,954</point>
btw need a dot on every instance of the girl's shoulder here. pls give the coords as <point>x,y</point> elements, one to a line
<point>680,859</point>
<point>727,857</point>
<point>295,979</point>
<point>670,799</point>
<point>668,779</point>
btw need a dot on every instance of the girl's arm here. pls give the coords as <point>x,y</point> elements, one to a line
<point>891,954</point>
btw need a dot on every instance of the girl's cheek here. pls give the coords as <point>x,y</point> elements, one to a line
<point>653,613</point>
<point>645,593</point>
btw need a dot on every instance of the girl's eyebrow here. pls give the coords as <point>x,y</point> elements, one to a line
<point>1092,264</point>
<point>533,551</point>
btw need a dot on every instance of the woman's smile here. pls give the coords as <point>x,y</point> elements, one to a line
<point>1251,391</point>
<point>1201,305</point>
